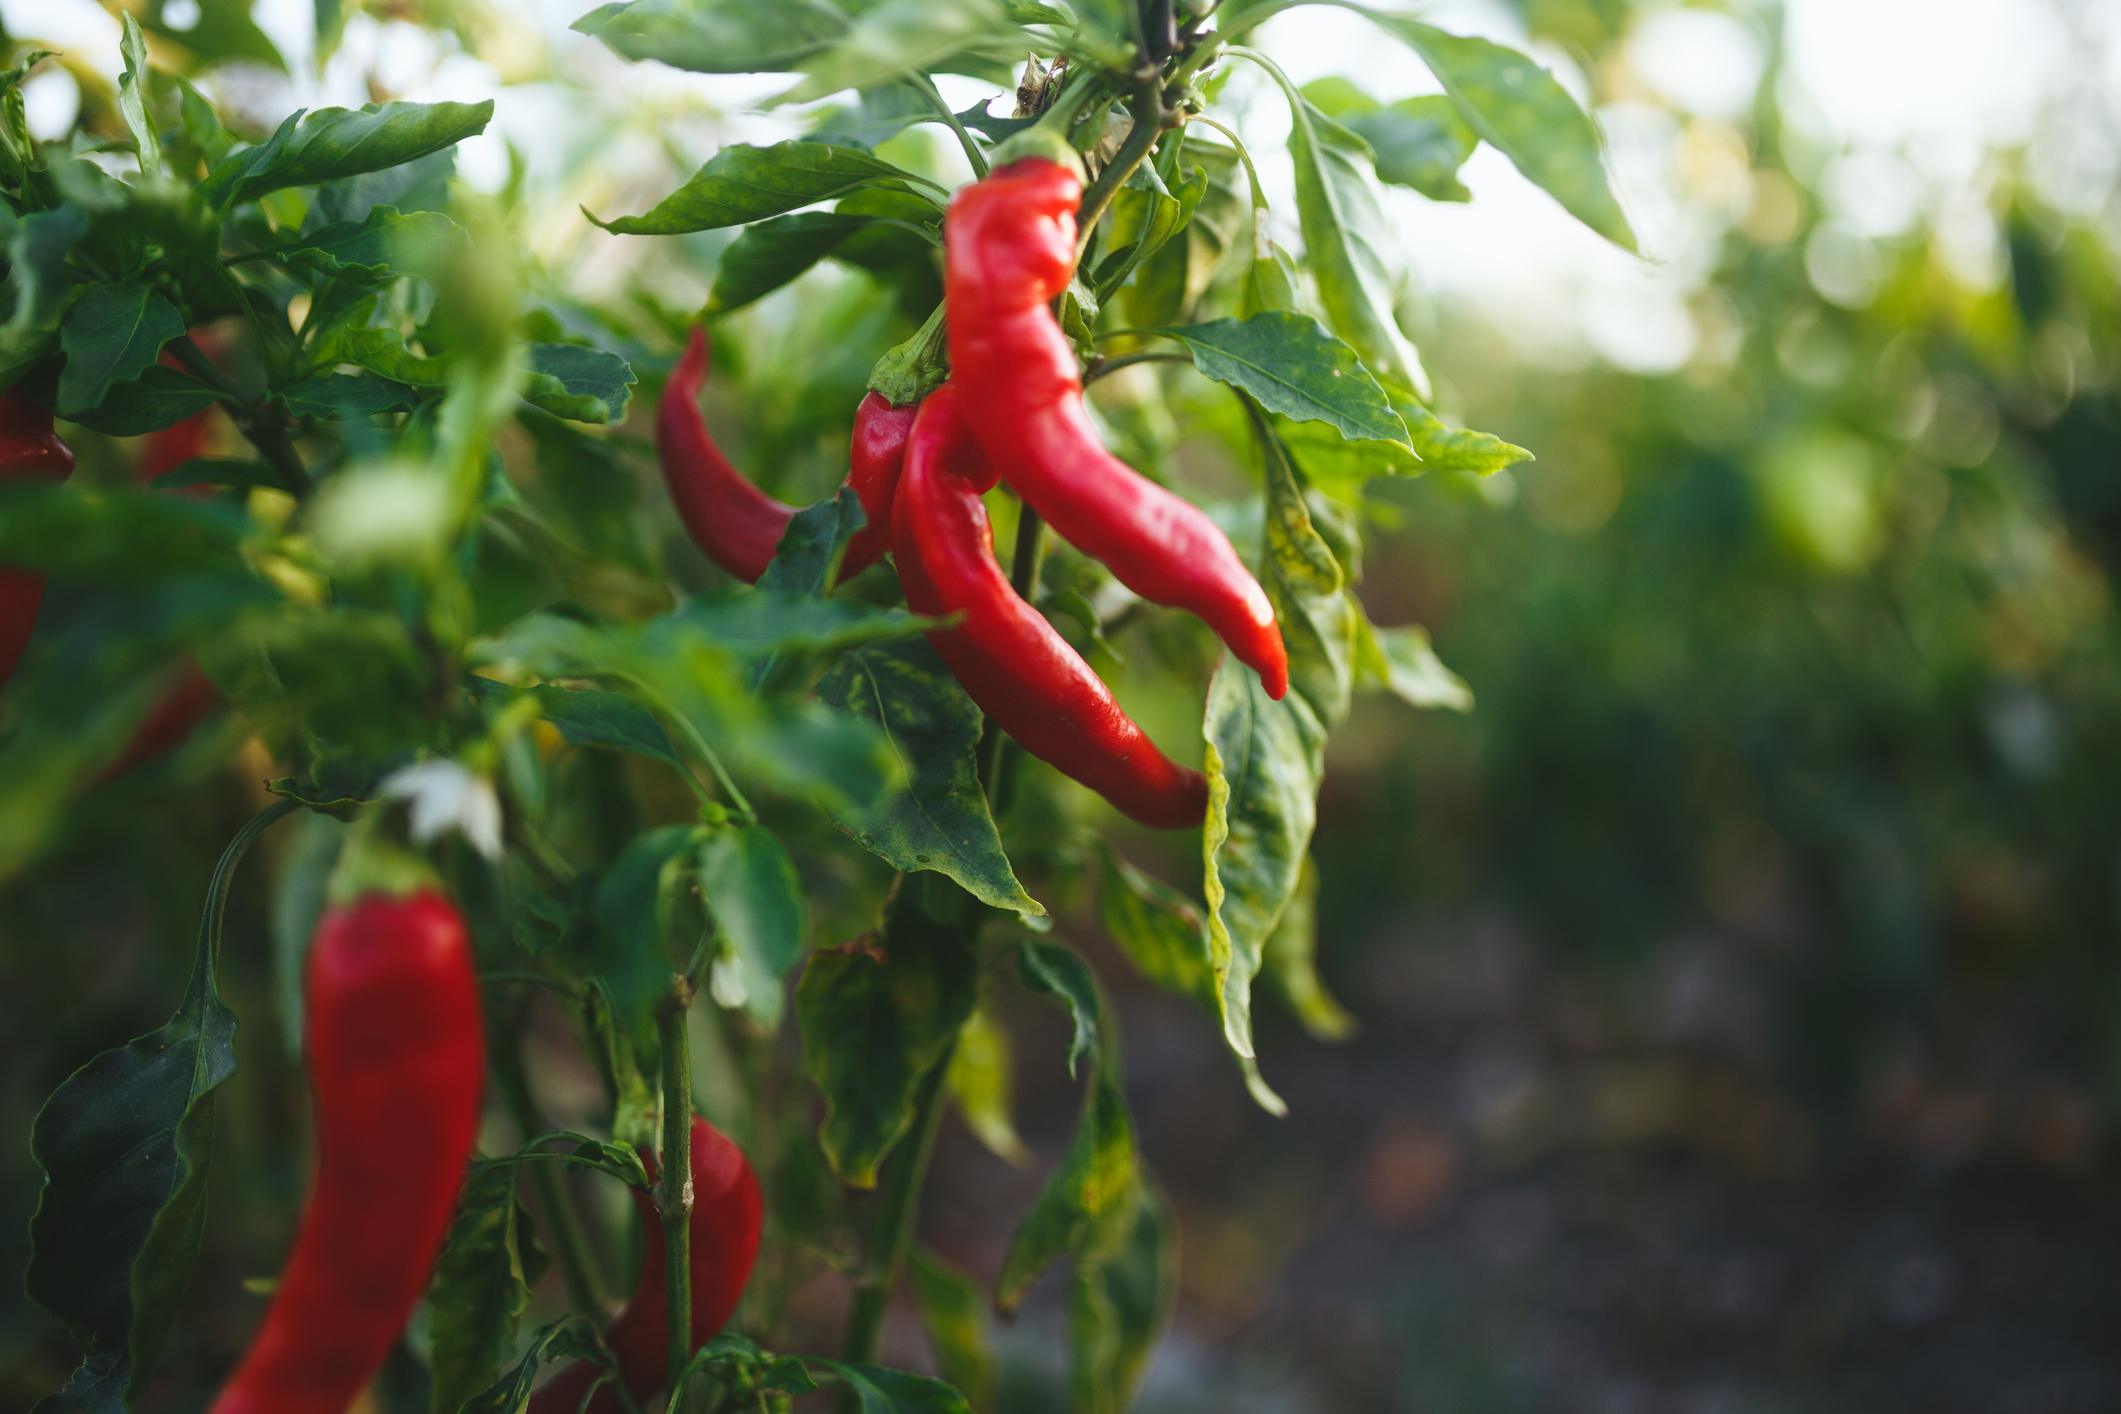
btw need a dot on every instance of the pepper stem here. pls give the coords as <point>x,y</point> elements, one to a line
<point>673,1195</point>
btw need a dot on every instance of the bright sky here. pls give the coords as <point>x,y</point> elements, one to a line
<point>1893,106</point>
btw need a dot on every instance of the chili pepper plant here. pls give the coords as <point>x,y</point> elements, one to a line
<point>616,770</point>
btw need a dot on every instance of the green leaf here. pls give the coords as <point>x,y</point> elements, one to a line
<point>954,1315</point>
<point>481,1286</point>
<point>880,113</point>
<point>804,563</point>
<point>122,536</point>
<point>212,30</point>
<point>1062,974</point>
<point>160,397</point>
<point>568,1339</point>
<point>384,351</point>
<point>1118,1308</point>
<point>752,894</point>
<point>1445,448</point>
<point>1344,466</point>
<point>419,185</point>
<point>1348,239</point>
<point>132,98</point>
<point>894,38</point>
<point>766,621</point>
<point>1145,214</point>
<point>1290,964</point>
<point>1418,142</point>
<point>880,1391</point>
<point>590,717</point>
<point>331,144</point>
<point>385,244</point>
<point>874,1027</point>
<point>1518,108</point>
<point>1290,365</point>
<point>742,184</point>
<point>1264,758</point>
<point>674,666</point>
<point>717,36</point>
<point>37,274</point>
<point>111,334</point>
<point>1087,1203</point>
<point>579,383</point>
<point>204,132</point>
<point>631,909</point>
<point>771,253</point>
<point>124,1144</point>
<point>981,1081</point>
<point>636,1101</point>
<point>343,397</point>
<point>941,821</point>
<point>1402,662</point>
<point>1160,930</point>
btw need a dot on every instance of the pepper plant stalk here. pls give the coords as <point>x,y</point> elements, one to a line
<point>673,1196</point>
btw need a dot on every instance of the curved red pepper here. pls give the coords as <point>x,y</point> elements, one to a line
<point>170,723</point>
<point>739,526</point>
<point>396,1062</point>
<point>726,1216</point>
<point>1010,246</point>
<point>28,447</point>
<point>1014,665</point>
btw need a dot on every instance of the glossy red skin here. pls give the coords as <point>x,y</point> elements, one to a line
<point>1010,660</point>
<point>1010,246</point>
<point>726,1216</point>
<point>736,524</point>
<point>173,446</point>
<point>396,1063</point>
<point>28,447</point>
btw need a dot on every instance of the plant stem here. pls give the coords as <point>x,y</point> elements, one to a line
<point>1150,120</point>
<point>563,1222</point>
<point>1104,368</point>
<point>268,433</point>
<point>673,1196</point>
<point>973,155</point>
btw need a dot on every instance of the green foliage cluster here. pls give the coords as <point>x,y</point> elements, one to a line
<point>432,600</point>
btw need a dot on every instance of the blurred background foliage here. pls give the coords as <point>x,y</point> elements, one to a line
<point>1736,984</point>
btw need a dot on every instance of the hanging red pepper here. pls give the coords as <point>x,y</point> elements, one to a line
<point>28,447</point>
<point>726,1216</point>
<point>168,724</point>
<point>396,1062</point>
<point>171,721</point>
<point>1014,665</point>
<point>167,448</point>
<point>736,524</point>
<point>1010,245</point>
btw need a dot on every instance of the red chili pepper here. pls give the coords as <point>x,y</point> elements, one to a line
<point>174,445</point>
<point>28,447</point>
<point>168,724</point>
<point>1015,666</point>
<point>736,524</point>
<point>726,1215</point>
<point>1009,240</point>
<point>396,1061</point>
